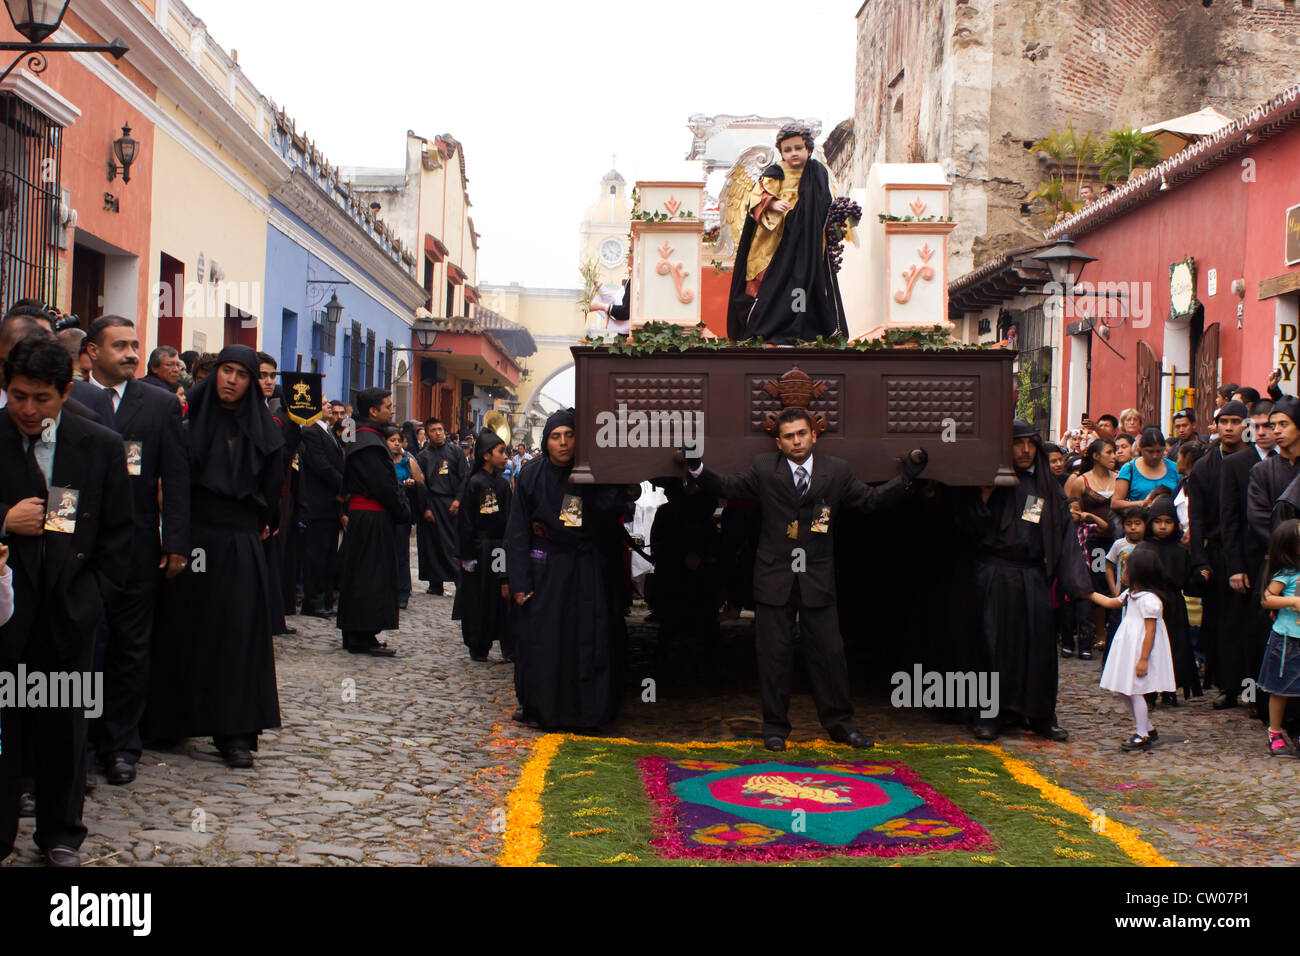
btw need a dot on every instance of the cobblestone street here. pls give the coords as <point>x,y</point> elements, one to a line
<point>416,768</point>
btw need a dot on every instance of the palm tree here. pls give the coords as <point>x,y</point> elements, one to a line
<point>1124,150</point>
<point>1065,148</point>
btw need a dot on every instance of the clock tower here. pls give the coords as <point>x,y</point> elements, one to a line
<point>603,235</point>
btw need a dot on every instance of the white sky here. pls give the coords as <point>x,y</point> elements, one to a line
<point>542,95</point>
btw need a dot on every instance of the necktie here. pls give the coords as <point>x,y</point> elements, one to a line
<point>801,480</point>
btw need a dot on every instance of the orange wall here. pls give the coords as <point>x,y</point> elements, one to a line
<point>87,145</point>
<point>714,290</point>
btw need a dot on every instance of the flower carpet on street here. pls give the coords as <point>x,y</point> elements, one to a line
<point>589,801</point>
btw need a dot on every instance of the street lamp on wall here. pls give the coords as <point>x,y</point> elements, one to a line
<point>333,314</point>
<point>1064,259</point>
<point>36,20</point>
<point>125,150</point>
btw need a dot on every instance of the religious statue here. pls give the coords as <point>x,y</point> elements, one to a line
<point>783,286</point>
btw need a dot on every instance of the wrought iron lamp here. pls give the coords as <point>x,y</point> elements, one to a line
<point>125,150</point>
<point>38,19</point>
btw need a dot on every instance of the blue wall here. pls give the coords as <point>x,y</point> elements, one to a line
<point>292,308</point>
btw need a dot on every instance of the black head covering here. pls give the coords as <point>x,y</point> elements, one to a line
<point>1233,408</point>
<point>487,440</point>
<point>1042,485</point>
<point>559,419</point>
<point>1163,507</point>
<point>232,469</point>
<point>1289,406</point>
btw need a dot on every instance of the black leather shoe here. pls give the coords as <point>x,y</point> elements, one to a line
<point>402,604</point>
<point>313,612</point>
<point>1224,701</point>
<point>379,650</point>
<point>91,782</point>
<point>435,590</point>
<point>480,658</point>
<point>859,740</point>
<point>775,744</point>
<point>985,731</point>
<point>120,771</point>
<point>1066,652</point>
<point>237,756</point>
<point>1052,732</point>
<point>62,856</point>
<point>26,805</point>
<point>1085,655</point>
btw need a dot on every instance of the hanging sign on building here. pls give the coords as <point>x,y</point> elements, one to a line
<point>1182,288</point>
<point>1286,348</point>
<point>1293,236</point>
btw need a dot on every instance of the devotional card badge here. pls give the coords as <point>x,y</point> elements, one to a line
<point>822,523</point>
<point>134,457</point>
<point>1033,509</point>
<point>61,514</point>
<point>571,511</point>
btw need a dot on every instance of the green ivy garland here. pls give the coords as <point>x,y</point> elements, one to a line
<point>668,337</point>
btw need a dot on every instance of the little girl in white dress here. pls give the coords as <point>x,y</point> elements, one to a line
<point>1140,661</point>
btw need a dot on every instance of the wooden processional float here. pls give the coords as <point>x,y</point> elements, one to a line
<point>871,407</point>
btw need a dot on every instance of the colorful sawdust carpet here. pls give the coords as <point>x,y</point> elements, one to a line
<point>590,801</point>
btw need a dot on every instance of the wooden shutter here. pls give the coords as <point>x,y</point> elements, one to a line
<point>1206,378</point>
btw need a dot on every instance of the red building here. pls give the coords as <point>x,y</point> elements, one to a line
<point>1200,260</point>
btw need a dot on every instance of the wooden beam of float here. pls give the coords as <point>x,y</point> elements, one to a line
<point>877,406</point>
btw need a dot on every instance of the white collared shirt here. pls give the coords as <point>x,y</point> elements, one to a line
<point>807,466</point>
<point>1261,452</point>
<point>118,390</point>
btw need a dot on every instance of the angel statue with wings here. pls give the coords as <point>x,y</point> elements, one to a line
<point>783,286</point>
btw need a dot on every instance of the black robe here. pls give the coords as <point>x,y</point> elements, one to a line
<point>482,531</point>
<point>368,583</point>
<point>1015,561</point>
<point>1177,576</point>
<point>570,634</point>
<point>799,275</point>
<point>445,471</point>
<point>212,670</point>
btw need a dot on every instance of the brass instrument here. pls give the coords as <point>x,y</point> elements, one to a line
<point>498,423</point>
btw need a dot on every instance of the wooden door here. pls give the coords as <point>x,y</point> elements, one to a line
<point>1205,378</point>
<point>1148,385</point>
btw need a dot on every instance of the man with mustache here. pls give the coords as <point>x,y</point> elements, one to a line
<point>149,421</point>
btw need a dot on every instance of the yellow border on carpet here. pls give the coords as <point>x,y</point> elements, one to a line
<point>523,837</point>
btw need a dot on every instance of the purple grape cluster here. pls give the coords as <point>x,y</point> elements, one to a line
<point>844,212</point>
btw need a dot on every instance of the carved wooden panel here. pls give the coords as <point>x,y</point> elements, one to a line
<point>668,393</point>
<point>1206,378</point>
<point>829,403</point>
<point>921,404</point>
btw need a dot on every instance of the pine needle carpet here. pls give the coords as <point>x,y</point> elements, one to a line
<point>594,801</point>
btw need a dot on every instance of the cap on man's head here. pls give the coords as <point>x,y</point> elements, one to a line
<point>1232,408</point>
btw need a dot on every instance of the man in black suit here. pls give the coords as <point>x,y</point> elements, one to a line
<point>1206,541</point>
<point>149,423</point>
<point>1242,646</point>
<point>62,579</point>
<point>801,496</point>
<point>321,476</point>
